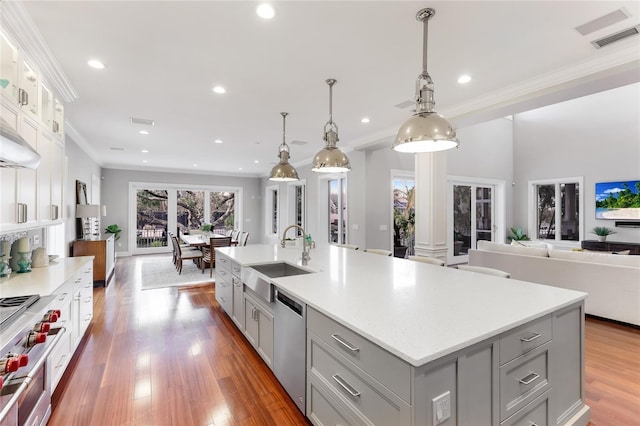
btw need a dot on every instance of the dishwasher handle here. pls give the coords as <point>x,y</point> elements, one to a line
<point>290,303</point>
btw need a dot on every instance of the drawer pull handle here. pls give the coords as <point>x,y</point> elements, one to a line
<point>346,386</point>
<point>344,343</point>
<point>533,337</point>
<point>530,378</point>
<point>61,361</point>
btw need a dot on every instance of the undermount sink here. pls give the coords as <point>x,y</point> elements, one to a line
<point>280,269</point>
<point>257,277</point>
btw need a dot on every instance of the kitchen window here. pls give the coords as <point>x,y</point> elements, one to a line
<point>272,206</point>
<point>337,206</point>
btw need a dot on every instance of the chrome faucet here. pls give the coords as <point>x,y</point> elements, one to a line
<point>305,248</point>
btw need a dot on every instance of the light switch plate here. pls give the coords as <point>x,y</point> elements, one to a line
<point>384,228</point>
<point>441,408</point>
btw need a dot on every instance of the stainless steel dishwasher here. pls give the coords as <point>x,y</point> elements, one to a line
<point>290,341</point>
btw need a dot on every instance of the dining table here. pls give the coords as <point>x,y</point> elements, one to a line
<point>198,240</point>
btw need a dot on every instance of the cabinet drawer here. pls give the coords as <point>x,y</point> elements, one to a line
<point>536,413</point>
<point>224,292</point>
<point>322,411</point>
<point>524,338</point>
<point>223,262</point>
<point>222,273</point>
<point>235,269</point>
<point>377,404</point>
<point>59,359</point>
<point>523,379</point>
<point>375,361</point>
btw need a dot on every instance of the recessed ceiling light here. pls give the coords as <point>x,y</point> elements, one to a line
<point>219,89</point>
<point>265,11</point>
<point>256,161</point>
<point>144,151</point>
<point>94,63</point>
<point>365,120</point>
<point>217,141</point>
<point>195,165</point>
<point>464,79</point>
<point>144,161</point>
<point>239,168</point>
<point>143,132</point>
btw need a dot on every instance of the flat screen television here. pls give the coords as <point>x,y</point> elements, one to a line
<point>618,200</point>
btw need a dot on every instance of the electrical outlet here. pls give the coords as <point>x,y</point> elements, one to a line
<point>36,240</point>
<point>441,408</point>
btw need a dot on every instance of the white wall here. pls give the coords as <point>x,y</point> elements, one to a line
<point>80,167</point>
<point>597,136</point>
<point>115,195</point>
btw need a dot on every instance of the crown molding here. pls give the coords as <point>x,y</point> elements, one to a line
<point>17,24</point>
<point>604,66</point>
<point>82,143</point>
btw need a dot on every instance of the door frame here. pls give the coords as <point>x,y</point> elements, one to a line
<point>172,209</point>
<point>397,174</point>
<point>499,211</point>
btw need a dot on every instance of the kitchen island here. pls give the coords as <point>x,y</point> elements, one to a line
<point>390,341</point>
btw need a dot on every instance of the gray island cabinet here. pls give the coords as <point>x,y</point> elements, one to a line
<point>395,342</point>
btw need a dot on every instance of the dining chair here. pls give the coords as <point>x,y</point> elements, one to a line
<point>349,246</point>
<point>379,251</point>
<point>209,253</point>
<point>425,259</point>
<point>186,254</point>
<point>234,237</point>
<point>485,270</point>
<point>243,238</point>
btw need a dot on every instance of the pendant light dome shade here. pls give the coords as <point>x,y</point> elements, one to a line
<point>426,131</point>
<point>283,171</point>
<point>331,159</point>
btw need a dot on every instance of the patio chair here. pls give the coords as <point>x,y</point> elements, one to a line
<point>209,254</point>
<point>234,237</point>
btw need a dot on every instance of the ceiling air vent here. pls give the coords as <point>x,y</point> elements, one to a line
<point>601,42</point>
<point>299,143</point>
<point>603,22</point>
<point>144,121</point>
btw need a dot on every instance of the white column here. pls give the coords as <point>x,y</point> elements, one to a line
<point>431,208</point>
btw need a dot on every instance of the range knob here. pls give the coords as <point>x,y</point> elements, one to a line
<point>23,360</point>
<point>9,365</point>
<point>42,327</point>
<point>51,316</point>
<point>34,338</point>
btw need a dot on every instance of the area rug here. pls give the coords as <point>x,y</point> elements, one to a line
<point>158,271</point>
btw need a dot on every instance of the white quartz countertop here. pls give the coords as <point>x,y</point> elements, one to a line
<point>416,311</point>
<point>42,281</point>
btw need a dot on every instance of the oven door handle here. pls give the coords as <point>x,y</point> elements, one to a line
<point>29,377</point>
<point>46,353</point>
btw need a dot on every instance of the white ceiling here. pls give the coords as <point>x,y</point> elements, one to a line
<point>164,57</point>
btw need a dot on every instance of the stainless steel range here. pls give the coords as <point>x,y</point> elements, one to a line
<point>27,337</point>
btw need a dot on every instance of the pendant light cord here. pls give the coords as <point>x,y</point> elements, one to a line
<point>331,128</point>
<point>284,124</point>
<point>425,43</point>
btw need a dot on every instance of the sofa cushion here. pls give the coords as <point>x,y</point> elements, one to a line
<point>515,249</point>
<point>596,257</point>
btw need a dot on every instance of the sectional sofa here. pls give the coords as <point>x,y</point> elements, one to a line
<point>612,280</point>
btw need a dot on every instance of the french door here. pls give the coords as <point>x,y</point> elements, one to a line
<point>158,209</point>
<point>473,216</point>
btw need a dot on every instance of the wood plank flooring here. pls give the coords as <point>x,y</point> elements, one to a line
<point>166,357</point>
<point>171,357</point>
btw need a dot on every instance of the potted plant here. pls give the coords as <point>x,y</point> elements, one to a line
<point>113,229</point>
<point>517,235</point>
<point>206,229</point>
<point>602,232</point>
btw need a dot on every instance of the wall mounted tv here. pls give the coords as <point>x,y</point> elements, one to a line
<point>618,200</point>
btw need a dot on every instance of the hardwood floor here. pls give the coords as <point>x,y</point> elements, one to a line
<point>166,357</point>
<point>171,357</point>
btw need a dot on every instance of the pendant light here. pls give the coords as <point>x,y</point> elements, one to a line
<point>283,171</point>
<point>426,131</point>
<point>331,159</point>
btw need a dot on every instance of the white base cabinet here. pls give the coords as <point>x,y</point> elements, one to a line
<point>259,327</point>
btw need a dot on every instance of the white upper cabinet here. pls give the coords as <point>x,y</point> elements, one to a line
<point>8,69</point>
